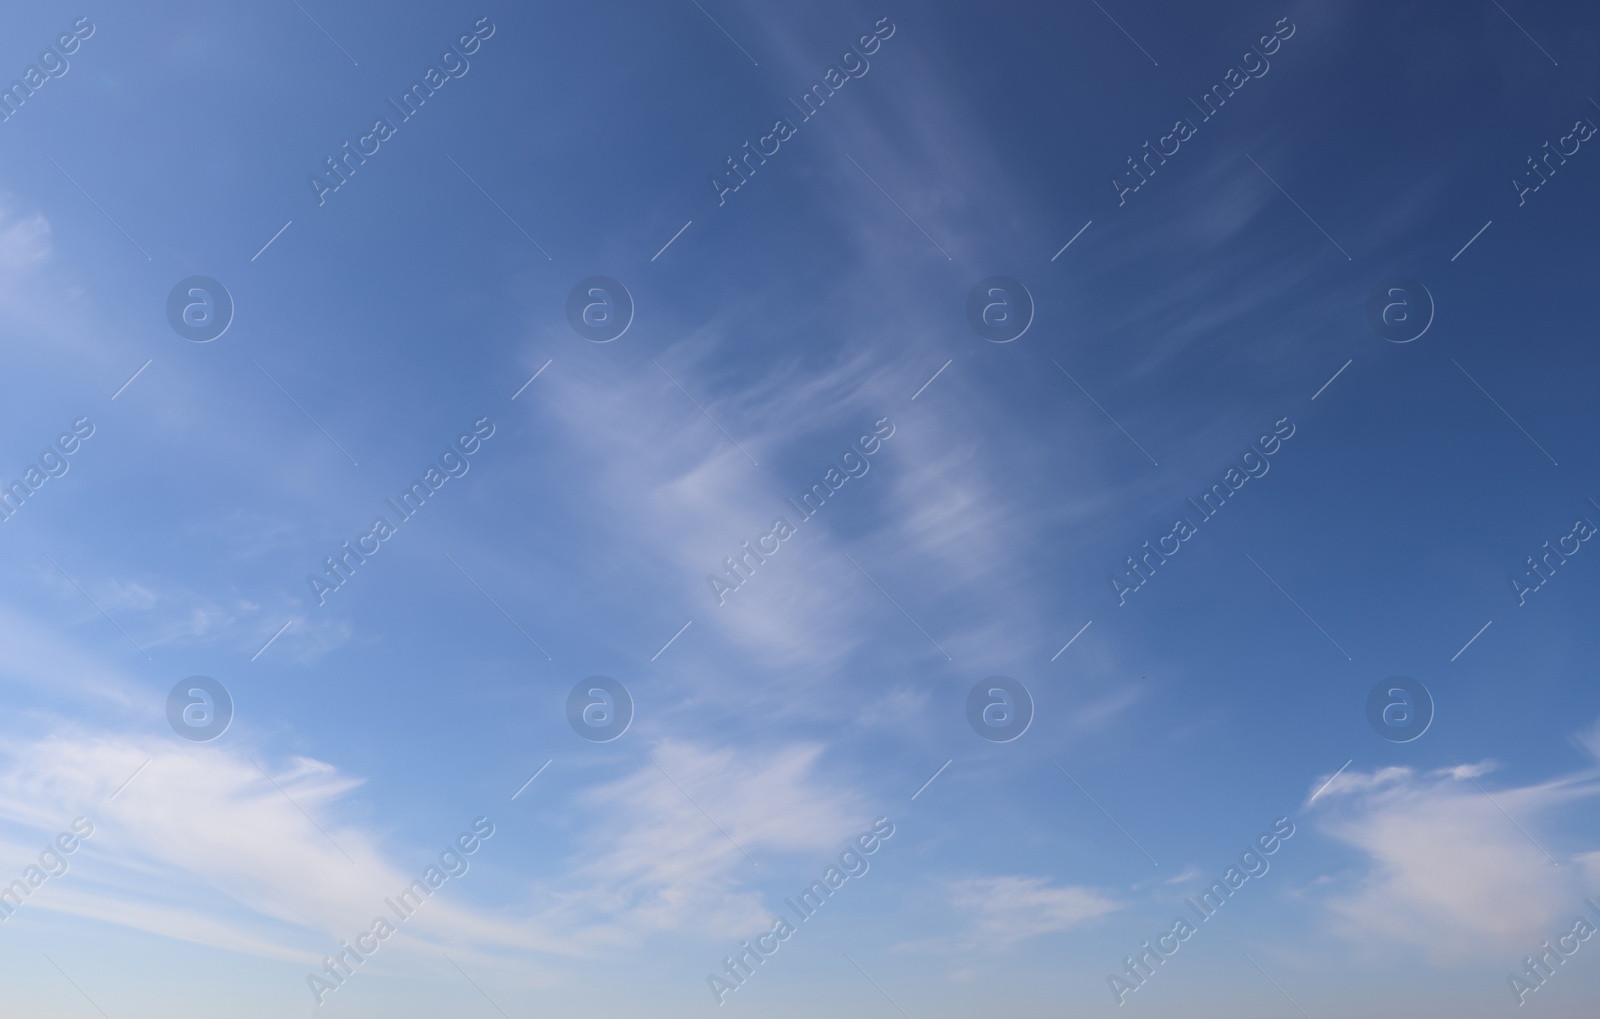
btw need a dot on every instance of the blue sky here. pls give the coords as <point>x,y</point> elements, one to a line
<point>1225,297</point>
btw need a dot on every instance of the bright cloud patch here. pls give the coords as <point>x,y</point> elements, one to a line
<point>1448,870</point>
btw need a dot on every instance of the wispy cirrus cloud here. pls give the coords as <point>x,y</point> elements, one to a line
<point>203,846</point>
<point>679,844</point>
<point>994,912</point>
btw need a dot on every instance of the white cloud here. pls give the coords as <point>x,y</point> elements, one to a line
<point>1188,874</point>
<point>1589,740</point>
<point>1010,909</point>
<point>1449,870</point>
<point>1000,911</point>
<point>675,834</point>
<point>24,238</point>
<point>691,498</point>
<point>129,594</point>
<point>203,846</point>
